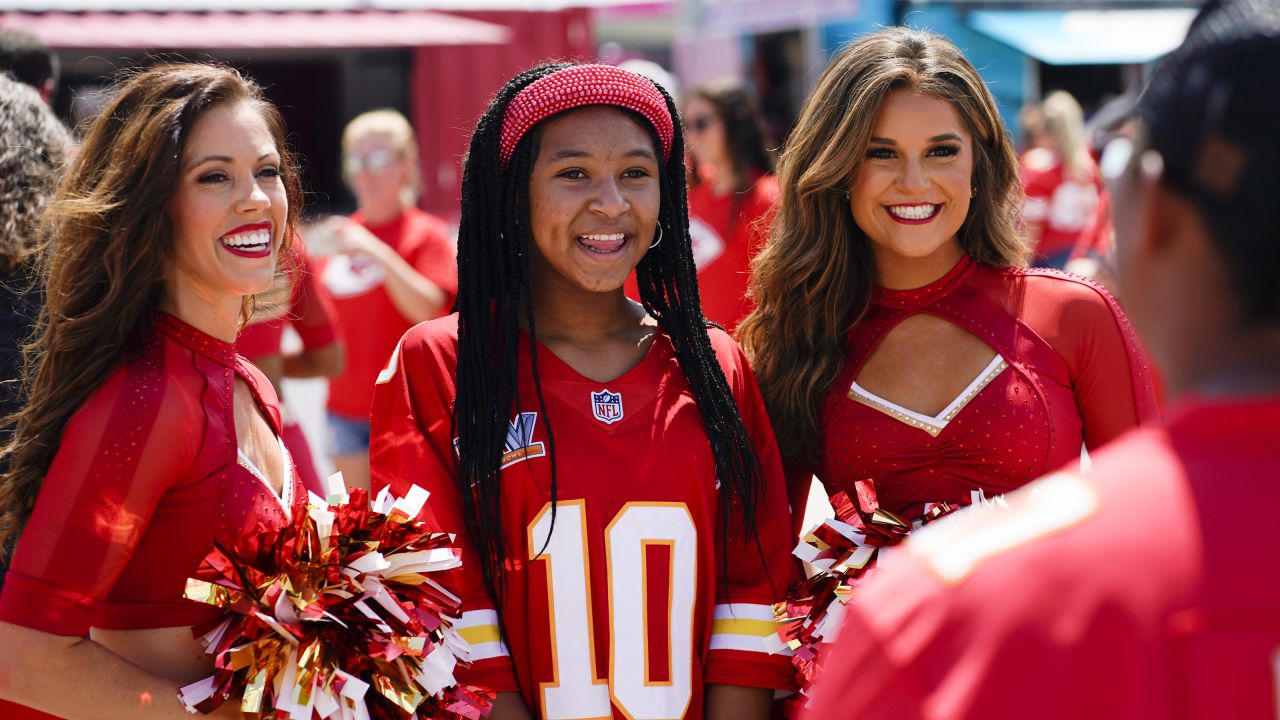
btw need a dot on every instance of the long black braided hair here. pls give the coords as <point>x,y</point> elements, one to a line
<point>494,290</point>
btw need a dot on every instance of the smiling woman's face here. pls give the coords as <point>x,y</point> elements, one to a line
<point>594,199</point>
<point>230,206</point>
<point>911,192</point>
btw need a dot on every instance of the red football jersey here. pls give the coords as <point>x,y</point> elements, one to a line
<point>1141,590</point>
<point>633,603</point>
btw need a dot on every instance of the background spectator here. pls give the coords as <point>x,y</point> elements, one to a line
<point>1062,217</point>
<point>28,61</point>
<point>395,267</point>
<point>730,190</point>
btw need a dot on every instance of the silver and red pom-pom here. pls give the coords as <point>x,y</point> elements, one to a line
<point>843,550</point>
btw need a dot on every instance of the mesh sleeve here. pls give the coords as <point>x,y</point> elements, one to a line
<point>1109,367</point>
<point>118,455</point>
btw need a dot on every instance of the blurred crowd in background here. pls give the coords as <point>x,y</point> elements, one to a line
<point>381,133</point>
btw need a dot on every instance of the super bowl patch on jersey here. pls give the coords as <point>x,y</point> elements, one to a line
<point>520,444</point>
<point>606,406</point>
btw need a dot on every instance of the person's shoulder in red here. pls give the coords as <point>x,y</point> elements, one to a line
<point>733,361</point>
<point>412,406</point>
<point>1104,358</point>
<point>427,353</point>
<point>436,338</point>
<point>142,431</point>
<point>422,226</point>
<point>1113,596</point>
<point>1062,307</point>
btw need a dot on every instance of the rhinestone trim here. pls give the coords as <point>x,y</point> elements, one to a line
<point>940,423</point>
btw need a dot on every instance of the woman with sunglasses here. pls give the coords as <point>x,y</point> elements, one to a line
<point>731,188</point>
<point>396,268</point>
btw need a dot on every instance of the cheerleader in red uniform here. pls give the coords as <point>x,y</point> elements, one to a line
<point>310,313</point>
<point>609,466</point>
<point>897,336</point>
<point>146,438</point>
<point>1143,588</point>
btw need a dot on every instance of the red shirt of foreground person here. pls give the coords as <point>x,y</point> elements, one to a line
<point>1146,599</point>
<point>1143,589</point>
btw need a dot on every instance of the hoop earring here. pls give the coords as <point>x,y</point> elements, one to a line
<point>657,242</point>
<point>973,192</point>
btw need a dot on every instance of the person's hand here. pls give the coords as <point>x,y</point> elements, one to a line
<point>353,239</point>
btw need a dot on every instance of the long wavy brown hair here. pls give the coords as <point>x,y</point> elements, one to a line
<point>110,243</point>
<point>812,281</point>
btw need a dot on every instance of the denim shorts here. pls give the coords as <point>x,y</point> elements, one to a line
<point>347,435</point>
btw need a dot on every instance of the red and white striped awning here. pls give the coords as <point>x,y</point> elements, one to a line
<point>224,30</point>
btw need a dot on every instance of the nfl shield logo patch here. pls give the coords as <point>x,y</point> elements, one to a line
<point>606,406</point>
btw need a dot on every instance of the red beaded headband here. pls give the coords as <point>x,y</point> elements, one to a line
<point>578,86</point>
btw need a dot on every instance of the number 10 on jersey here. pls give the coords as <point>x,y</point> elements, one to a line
<point>576,692</point>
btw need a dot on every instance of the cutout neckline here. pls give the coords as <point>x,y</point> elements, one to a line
<point>934,425</point>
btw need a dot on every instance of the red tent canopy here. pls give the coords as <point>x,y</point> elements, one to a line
<point>223,30</point>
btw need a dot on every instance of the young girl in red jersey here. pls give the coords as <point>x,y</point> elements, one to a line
<point>146,438</point>
<point>897,335</point>
<point>609,466</point>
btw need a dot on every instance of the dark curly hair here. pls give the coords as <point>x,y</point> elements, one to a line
<point>31,159</point>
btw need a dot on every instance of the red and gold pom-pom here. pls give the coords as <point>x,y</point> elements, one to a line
<point>336,617</point>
